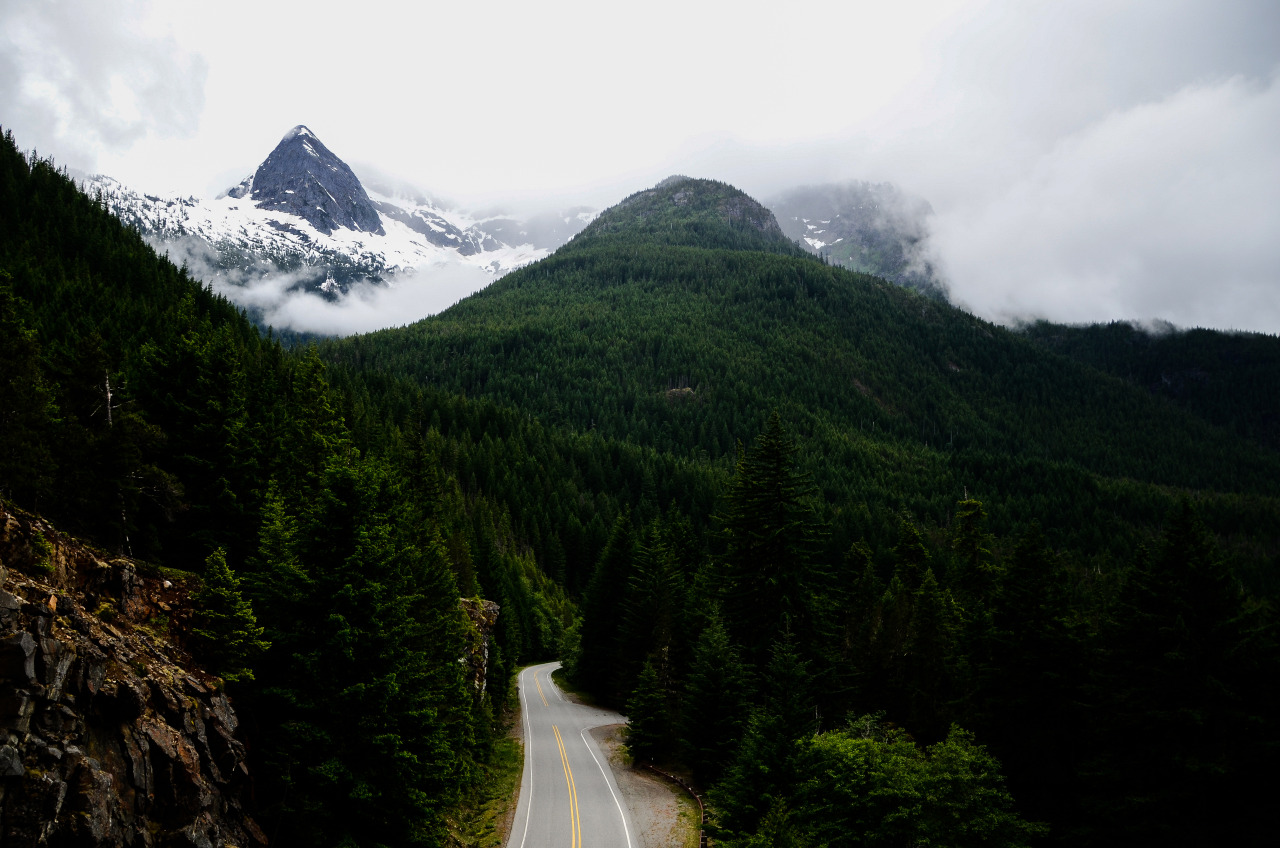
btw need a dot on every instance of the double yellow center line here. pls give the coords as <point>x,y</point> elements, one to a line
<point>575,823</point>
<point>539,685</point>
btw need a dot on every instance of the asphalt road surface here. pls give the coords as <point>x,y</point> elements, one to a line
<point>568,798</point>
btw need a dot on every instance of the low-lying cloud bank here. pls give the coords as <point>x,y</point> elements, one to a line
<point>364,308</point>
<point>280,300</point>
<point>1164,210</point>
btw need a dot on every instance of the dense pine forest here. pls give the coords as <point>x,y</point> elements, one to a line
<point>147,415</point>
<point>871,570</point>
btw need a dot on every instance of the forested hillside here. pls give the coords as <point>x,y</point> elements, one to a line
<point>147,415</point>
<point>925,548</point>
<point>873,571</point>
<point>1228,379</point>
<point>901,402</point>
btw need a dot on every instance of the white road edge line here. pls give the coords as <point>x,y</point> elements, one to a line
<point>528,750</point>
<point>555,688</point>
<point>608,783</point>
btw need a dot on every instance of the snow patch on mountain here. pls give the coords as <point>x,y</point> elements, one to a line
<point>301,242</point>
<point>414,237</point>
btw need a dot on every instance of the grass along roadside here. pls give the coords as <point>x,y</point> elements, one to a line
<point>690,821</point>
<point>561,679</point>
<point>483,819</point>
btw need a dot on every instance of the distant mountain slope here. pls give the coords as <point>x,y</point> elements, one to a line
<point>1228,379</point>
<point>875,228</point>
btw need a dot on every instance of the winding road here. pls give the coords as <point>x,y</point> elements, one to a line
<point>568,797</point>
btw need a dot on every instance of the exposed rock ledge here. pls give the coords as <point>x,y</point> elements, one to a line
<point>109,734</point>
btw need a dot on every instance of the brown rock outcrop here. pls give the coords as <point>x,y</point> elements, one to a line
<point>482,615</point>
<point>109,734</point>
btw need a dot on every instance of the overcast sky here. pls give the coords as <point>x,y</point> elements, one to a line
<point>1086,160</point>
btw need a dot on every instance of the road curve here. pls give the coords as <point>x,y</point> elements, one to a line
<point>568,798</point>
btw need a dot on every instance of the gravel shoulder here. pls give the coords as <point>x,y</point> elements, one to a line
<point>664,816</point>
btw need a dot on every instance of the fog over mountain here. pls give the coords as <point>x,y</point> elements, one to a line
<point>874,228</point>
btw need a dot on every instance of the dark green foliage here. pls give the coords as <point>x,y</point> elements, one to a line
<point>764,767</point>
<point>1176,740</point>
<point>871,785</point>
<point>367,712</point>
<point>652,607</point>
<point>932,658</point>
<point>143,412</point>
<point>973,574</point>
<point>27,409</point>
<point>225,628</point>
<point>716,702</point>
<point>597,659</point>
<point>644,352</point>
<point>571,434</point>
<point>901,402</point>
<point>687,212</point>
<point>649,731</point>
<point>910,557</point>
<point>1228,379</point>
<point>1031,675</point>
<point>769,581</point>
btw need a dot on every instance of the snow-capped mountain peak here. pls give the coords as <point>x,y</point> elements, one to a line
<point>304,211</point>
<point>304,178</point>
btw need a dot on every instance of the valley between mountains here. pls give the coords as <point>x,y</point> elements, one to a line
<point>863,567</point>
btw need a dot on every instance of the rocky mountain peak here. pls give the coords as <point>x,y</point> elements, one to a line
<point>305,178</point>
<point>694,212</point>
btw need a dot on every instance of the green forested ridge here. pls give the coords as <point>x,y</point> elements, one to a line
<point>876,571</point>
<point>139,410</point>
<point>902,402</point>
<point>681,211</point>
<point>1229,379</point>
<point>935,519</point>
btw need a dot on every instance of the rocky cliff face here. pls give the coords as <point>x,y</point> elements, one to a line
<point>875,228</point>
<point>304,178</point>
<point>109,734</point>
<point>482,616</point>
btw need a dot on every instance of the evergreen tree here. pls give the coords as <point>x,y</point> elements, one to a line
<point>931,658</point>
<point>763,770</point>
<point>716,701</point>
<point>648,717</point>
<point>277,581</point>
<point>650,608</point>
<point>910,556</point>
<point>771,535</point>
<point>973,575</point>
<point>1027,707</point>
<point>27,407</point>
<point>225,628</point>
<point>372,729</point>
<point>598,654</point>
<point>1169,707</point>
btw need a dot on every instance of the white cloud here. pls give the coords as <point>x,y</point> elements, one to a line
<point>1025,125</point>
<point>78,80</point>
<point>366,307</point>
<point>283,301</point>
<point>1169,209</point>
